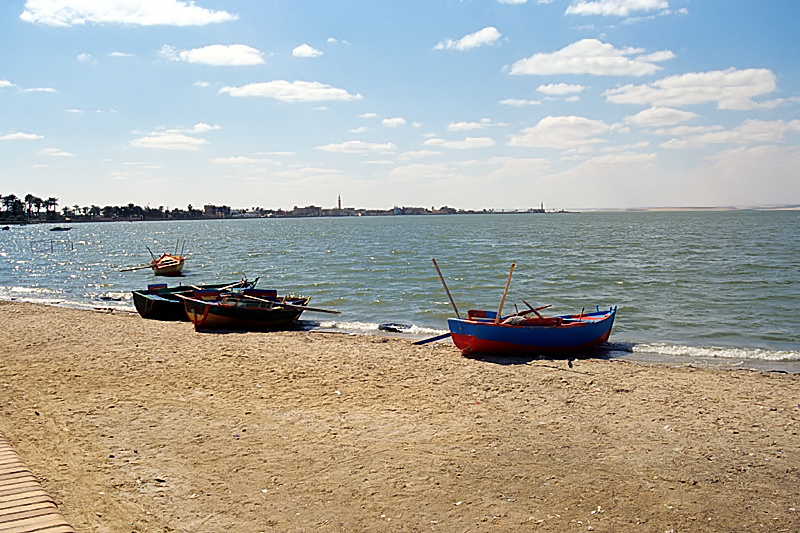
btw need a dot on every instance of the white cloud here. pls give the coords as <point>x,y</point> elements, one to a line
<point>560,89</point>
<point>296,91</point>
<point>563,133</point>
<point>393,122</point>
<point>468,126</point>
<point>125,12</point>
<point>55,152</point>
<point>201,127</point>
<point>659,117</point>
<point>86,58</point>
<point>5,83</point>
<point>305,50</point>
<point>362,129</point>
<point>590,56</point>
<point>240,161</point>
<point>658,57</point>
<point>359,147</point>
<point>730,89</point>
<point>516,2</point>
<point>519,102</point>
<point>749,132</point>
<point>368,115</point>
<point>217,55</point>
<point>618,8</point>
<point>120,54</point>
<point>467,144</point>
<point>40,90</point>
<point>683,131</point>
<point>169,140</point>
<point>417,154</point>
<point>486,36</point>
<point>19,136</point>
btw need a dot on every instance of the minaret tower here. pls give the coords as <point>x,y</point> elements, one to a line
<point>340,202</point>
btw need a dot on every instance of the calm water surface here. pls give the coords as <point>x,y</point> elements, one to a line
<point>719,286</point>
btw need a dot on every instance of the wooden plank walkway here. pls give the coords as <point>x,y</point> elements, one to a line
<point>24,505</point>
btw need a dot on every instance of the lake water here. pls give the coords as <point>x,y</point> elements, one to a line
<point>720,287</point>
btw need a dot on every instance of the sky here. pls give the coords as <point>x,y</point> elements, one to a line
<point>472,104</point>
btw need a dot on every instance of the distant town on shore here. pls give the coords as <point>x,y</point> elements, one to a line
<point>34,209</point>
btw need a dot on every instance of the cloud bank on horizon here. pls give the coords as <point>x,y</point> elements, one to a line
<point>579,104</point>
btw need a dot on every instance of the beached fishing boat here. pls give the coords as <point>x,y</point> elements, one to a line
<point>159,302</point>
<point>487,332</point>
<point>248,310</point>
<point>481,333</point>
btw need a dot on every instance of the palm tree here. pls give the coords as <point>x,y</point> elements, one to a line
<point>50,205</point>
<point>29,204</point>
<point>10,202</point>
<point>37,203</point>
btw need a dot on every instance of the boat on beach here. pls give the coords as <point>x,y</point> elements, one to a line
<point>488,332</point>
<point>482,333</point>
<point>248,310</point>
<point>160,302</point>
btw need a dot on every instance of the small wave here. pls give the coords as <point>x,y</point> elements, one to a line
<point>711,352</point>
<point>371,328</point>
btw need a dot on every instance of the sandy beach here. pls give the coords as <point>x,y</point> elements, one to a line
<point>141,426</point>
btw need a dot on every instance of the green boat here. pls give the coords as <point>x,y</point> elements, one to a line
<point>160,302</point>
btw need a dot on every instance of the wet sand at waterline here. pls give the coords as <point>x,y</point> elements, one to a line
<point>137,425</point>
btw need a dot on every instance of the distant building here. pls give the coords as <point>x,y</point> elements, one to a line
<point>213,211</point>
<point>243,213</point>
<point>411,211</point>
<point>308,211</point>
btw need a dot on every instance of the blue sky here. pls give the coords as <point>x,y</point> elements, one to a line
<point>577,104</point>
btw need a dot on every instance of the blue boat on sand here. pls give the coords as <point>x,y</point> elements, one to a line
<point>485,332</point>
<point>481,333</point>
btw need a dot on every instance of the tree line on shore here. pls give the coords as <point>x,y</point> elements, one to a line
<point>31,208</point>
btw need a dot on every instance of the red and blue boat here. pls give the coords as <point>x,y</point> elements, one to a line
<point>246,310</point>
<point>486,332</point>
<point>481,333</point>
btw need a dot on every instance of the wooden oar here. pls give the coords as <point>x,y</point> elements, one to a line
<point>292,306</point>
<point>436,338</point>
<point>446,289</point>
<point>134,268</point>
<point>233,284</point>
<point>536,309</point>
<point>503,301</point>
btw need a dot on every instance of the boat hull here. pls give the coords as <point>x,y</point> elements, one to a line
<point>240,314</point>
<point>168,265</point>
<point>163,303</point>
<point>571,333</point>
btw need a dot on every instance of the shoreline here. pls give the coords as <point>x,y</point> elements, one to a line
<point>614,350</point>
<point>137,425</point>
<point>368,212</point>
